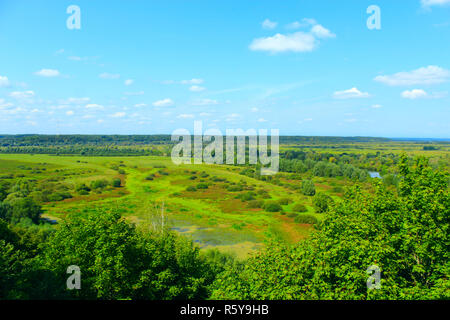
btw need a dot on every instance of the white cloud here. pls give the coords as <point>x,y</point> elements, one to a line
<point>192,81</point>
<point>350,94</point>
<point>185,116</point>
<point>72,100</point>
<point>163,103</point>
<point>414,94</point>
<point>118,115</point>
<point>377,106</point>
<point>22,94</point>
<point>254,109</point>
<point>321,32</point>
<point>48,73</point>
<point>426,75</point>
<point>128,82</point>
<point>109,76</point>
<point>196,88</point>
<point>139,93</point>
<point>4,104</point>
<point>204,102</point>
<point>262,120</point>
<point>4,82</point>
<point>70,113</point>
<point>140,105</point>
<point>429,3</point>
<point>296,42</point>
<point>204,114</point>
<point>94,106</point>
<point>267,24</point>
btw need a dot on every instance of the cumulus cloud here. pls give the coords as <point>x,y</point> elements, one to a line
<point>128,82</point>
<point>118,115</point>
<point>267,24</point>
<point>321,32</point>
<point>204,102</point>
<point>196,88</point>
<point>78,101</point>
<point>192,81</point>
<point>163,103</point>
<point>294,42</point>
<point>94,106</point>
<point>430,3</point>
<point>70,113</point>
<point>4,82</point>
<point>425,75</point>
<point>350,94</point>
<point>414,94</point>
<point>48,73</point>
<point>22,94</point>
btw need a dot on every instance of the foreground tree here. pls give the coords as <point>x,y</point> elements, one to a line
<point>119,262</point>
<point>405,235</point>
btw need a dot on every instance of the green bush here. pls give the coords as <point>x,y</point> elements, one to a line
<point>306,219</point>
<point>202,186</point>
<point>322,202</point>
<point>272,206</point>
<point>255,204</point>
<point>116,183</point>
<point>191,189</point>
<point>308,188</point>
<point>299,207</point>
<point>284,201</point>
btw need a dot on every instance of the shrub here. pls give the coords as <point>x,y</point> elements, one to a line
<point>272,206</point>
<point>299,207</point>
<point>322,202</point>
<point>202,186</point>
<point>306,219</point>
<point>284,201</point>
<point>255,204</point>
<point>150,177</point>
<point>308,188</point>
<point>116,183</point>
<point>247,196</point>
<point>191,189</point>
<point>99,184</point>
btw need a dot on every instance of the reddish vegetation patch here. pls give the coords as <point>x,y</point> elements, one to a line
<point>291,229</point>
<point>323,186</point>
<point>232,205</point>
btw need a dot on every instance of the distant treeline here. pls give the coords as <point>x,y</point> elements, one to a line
<point>132,140</point>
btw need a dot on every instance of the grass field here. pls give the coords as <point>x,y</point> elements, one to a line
<point>213,217</point>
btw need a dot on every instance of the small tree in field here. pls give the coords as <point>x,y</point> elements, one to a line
<point>308,188</point>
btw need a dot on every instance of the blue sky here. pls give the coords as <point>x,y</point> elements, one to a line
<point>303,67</point>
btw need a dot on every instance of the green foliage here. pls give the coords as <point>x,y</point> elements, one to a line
<point>308,188</point>
<point>272,206</point>
<point>99,184</point>
<point>116,183</point>
<point>284,201</point>
<point>17,209</point>
<point>306,219</point>
<point>255,204</point>
<point>119,262</point>
<point>322,202</point>
<point>299,207</point>
<point>405,235</point>
<point>202,186</point>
